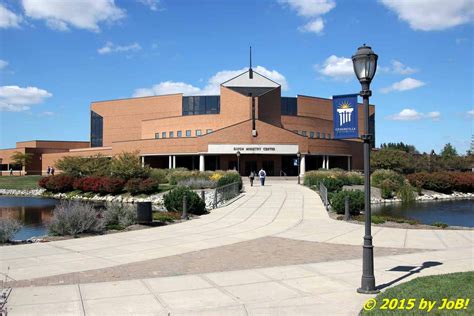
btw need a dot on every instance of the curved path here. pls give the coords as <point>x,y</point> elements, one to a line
<point>280,209</point>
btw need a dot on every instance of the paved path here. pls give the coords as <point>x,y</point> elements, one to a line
<point>281,209</point>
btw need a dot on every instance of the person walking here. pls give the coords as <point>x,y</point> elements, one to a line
<point>262,175</point>
<point>48,171</point>
<point>52,171</point>
<point>11,171</point>
<point>251,177</point>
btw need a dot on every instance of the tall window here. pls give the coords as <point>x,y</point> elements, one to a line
<point>198,132</point>
<point>97,130</point>
<point>289,106</point>
<point>311,134</point>
<point>208,131</point>
<point>319,135</point>
<point>171,134</point>
<point>163,135</point>
<point>180,134</point>
<point>197,105</point>
<point>303,133</point>
<point>188,133</point>
<point>157,135</point>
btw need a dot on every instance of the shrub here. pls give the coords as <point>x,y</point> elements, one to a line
<point>128,166</point>
<point>406,193</point>
<point>333,179</point>
<point>387,187</point>
<point>59,183</point>
<point>440,224</point>
<point>160,175</point>
<point>216,175</point>
<point>230,177</point>
<point>73,218</point>
<point>120,214</point>
<point>356,201</point>
<point>148,186</point>
<point>377,219</point>
<point>378,176</point>
<point>166,216</point>
<point>133,186</point>
<point>180,174</point>
<point>98,165</point>
<point>197,183</point>
<point>444,182</point>
<point>173,201</point>
<point>8,228</point>
<point>463,181</point>
<point>111,185</point>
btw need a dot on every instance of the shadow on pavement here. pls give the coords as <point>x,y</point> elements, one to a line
<point>411,270</point>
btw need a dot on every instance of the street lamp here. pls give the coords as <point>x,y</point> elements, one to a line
<point>238,162</point>
<point>365,65</point>
<point>298,154</point>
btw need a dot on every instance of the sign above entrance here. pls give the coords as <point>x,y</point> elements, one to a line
<point>345,114</point>
<point>252,149</point>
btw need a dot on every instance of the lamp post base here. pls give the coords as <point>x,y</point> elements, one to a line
<point>363,291</point>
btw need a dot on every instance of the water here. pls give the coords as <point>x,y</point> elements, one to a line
<point>453,213</point>
<point>32,212</point>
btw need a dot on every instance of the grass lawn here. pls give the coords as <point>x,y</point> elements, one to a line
<point>19,182</point>
<point>437,288</point>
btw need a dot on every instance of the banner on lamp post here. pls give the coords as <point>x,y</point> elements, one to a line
<point>345,116</point>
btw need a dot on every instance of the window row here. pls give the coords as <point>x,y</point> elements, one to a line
<point>197,105</point>
<point>289,106</point>
<point>188,133</point>
<point>314,134</point>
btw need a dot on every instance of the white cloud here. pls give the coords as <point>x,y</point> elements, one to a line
<point>470,114</point>
<point>399,68</point>
<point>213,84</point>
<point>3,64</point>
<point>404,85</point>
<point>8,18</point>
<point>432,15</point>
<point>413,115</point>
<point>311,9</point>
<point>81,14</point>
<point>46,113</point>
<point>110,47</point>
<point>152,4</point>
<point>337,68</point>
<point>315,26</point>
<point>16,99</point>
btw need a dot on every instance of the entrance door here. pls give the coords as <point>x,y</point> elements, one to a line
<point>269,167</point>
<point>250,165</point>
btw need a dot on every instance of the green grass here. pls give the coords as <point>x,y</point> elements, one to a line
<point>433,288</point>
<point>380,219</point>
<point>166,216</point>
<point>19,182</point>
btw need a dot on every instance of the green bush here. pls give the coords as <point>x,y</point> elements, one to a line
<point>166,217</point>
<point>387,188</point>
<point>160,175</point>
<point>173,201</point>
<point>440,224</point>
<point>8,228</point>
<point>119,215</point>
<point>180,174</point>
<point>377,219</point>
<point>97,166</point>
<point>333,179</point>
<point>406,193</point>
<point>378,176</point>
<point>73,218</point>
<point>356,201</point>
<point>128,166</point>
<point>230,177</point>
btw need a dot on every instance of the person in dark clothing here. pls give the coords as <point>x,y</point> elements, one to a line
<point>251,177</point>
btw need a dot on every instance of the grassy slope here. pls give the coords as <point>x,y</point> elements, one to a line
<point>19,182</point>
<point>450,286</point>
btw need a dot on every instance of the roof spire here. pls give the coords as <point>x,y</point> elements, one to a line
<point>250,65</point>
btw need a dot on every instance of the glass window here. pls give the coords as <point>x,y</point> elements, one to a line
<point>163,135</point>
<point>198,132</point>
<point>289,106</point>
<point>97,130</point>
<point>311,134</point>
<point>188,133</point>
<point>324,135</point>
<point>303,133</point>
<point>171,134</point>
<point>157,135</point>
<point>208,131</point>
<point>319,135</point>
<point>197,105</point>
<point>329,135</point>
<point>179,134</point>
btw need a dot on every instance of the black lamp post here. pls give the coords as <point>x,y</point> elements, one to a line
<point>298,154</point>
<point>238,162</point>
<point>365,65</point>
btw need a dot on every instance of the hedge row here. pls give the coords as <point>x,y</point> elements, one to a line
<point>101,185</point>
<point>334,179</point>
<point>444,182</point>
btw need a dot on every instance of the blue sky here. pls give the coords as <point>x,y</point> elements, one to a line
<point>55,59</point>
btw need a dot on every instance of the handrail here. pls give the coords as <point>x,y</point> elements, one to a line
<point>323,193</point>
<point>225,192</point>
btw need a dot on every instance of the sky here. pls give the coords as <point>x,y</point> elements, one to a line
<point>56,57</point>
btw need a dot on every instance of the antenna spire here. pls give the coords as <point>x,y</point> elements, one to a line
<point>250,65</point>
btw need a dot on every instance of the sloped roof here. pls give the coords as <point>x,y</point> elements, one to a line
<point>245,80</point>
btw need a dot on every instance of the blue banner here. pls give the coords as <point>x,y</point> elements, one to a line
<point>345,116</point>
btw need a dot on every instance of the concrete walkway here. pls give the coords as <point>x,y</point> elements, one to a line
<point>280,209</point>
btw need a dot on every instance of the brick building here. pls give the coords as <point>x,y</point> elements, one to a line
<point>249,118</point>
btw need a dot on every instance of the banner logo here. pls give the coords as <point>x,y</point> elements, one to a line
<point>345,116</point>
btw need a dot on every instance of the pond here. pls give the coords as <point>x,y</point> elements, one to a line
<point>32,212</point>
<point>453,213</point>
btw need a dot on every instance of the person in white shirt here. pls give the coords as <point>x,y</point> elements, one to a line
<point>262,175</point>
